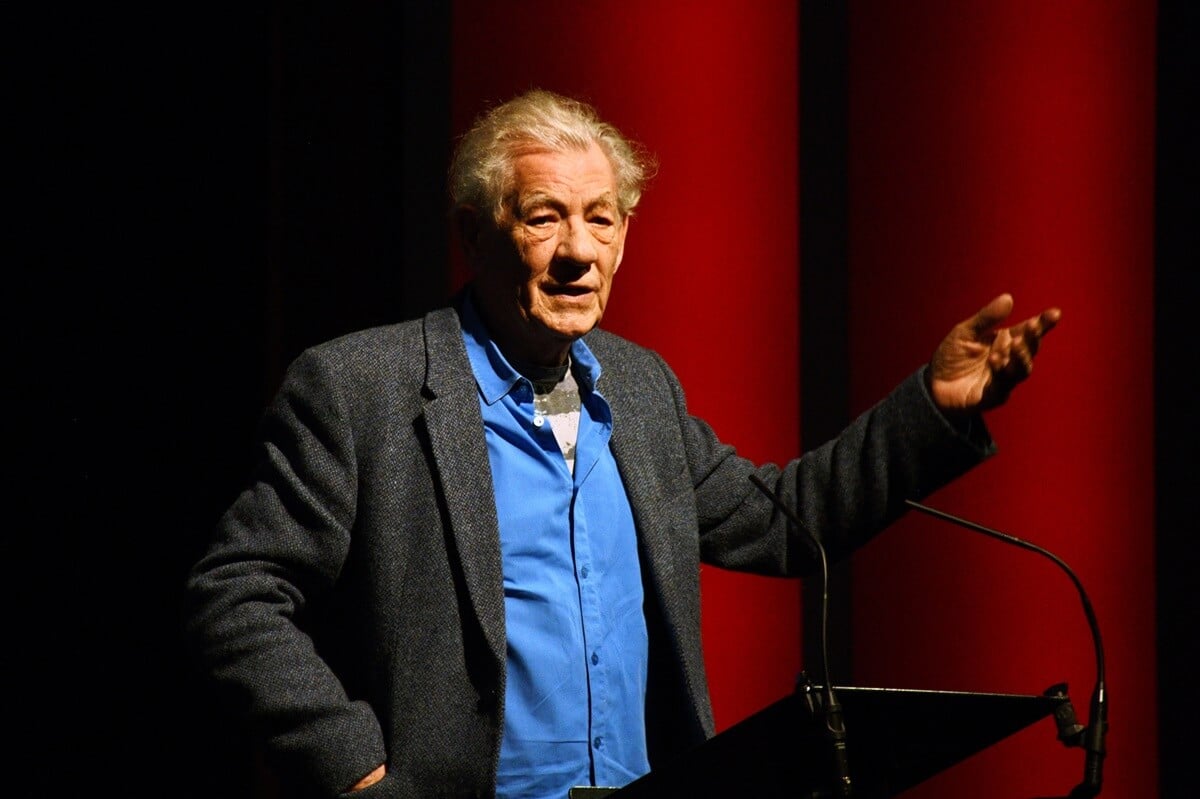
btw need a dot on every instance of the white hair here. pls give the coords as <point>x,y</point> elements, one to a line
<point>481,171</point>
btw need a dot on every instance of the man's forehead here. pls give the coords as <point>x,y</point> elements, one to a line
<point>585,174</point>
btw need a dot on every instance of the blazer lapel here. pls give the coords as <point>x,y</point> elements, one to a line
<point>660,494</point>
<point>653,485</point>
<point>460,455</point>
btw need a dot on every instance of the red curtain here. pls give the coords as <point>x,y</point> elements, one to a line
<point>993,146</point>
<point>1000,146</point>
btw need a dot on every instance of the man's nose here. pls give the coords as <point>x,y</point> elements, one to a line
<point>576,242</point>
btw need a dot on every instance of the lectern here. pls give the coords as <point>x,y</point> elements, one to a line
<point>897,738</point>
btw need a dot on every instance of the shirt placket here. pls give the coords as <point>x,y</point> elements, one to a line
<point>589,574</point>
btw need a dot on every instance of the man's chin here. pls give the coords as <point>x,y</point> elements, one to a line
<point>568,327</point>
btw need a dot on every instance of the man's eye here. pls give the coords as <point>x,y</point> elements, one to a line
<point>541,220</point>
<point>602,221</point>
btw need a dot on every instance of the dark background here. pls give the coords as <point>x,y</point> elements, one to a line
<point>203,190</point>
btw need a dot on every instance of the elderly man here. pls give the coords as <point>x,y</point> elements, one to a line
<point>468,563</point>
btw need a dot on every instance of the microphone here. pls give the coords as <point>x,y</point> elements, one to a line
<point>1091,738</point>
<point>835,725</point>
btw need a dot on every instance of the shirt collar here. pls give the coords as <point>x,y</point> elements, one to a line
<point>495,376</point>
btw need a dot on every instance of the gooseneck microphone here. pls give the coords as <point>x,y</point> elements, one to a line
<point>835,725</point>
<point>1091,738</point>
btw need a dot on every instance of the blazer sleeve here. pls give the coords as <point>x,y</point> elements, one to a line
<point>844,491</point>
<point>276,552</point>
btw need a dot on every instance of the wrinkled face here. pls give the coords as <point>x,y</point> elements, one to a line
<point>544,271</point>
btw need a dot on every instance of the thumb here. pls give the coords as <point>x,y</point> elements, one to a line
<point>990,315</point>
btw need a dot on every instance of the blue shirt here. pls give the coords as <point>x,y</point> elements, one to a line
<point>577,651</point>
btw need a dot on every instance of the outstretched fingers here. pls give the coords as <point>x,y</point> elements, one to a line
<point>1028,335</point>
<point>990,315</point>
<point>1020,346</point>
<point>1001,349</point>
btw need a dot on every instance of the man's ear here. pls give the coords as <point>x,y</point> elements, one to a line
<point>466,224</point>
<point>621,242</point>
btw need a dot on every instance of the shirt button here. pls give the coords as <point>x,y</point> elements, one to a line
<point>597,741</point>
<point>584,572</point>
<point>538,421</point>
<point>595,658</point>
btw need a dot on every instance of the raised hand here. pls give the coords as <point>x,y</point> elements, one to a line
<point>978,363</point>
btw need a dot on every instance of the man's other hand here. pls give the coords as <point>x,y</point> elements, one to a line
<point>369,780</point>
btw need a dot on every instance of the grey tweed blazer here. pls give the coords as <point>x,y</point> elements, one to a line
<point>351,604</point>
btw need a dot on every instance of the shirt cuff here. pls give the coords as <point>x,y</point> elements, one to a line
<point>970,427</point>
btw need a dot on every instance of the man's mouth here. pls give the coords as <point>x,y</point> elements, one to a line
<point>568,291</point>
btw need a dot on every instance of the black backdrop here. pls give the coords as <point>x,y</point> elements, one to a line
<point>204,191</point>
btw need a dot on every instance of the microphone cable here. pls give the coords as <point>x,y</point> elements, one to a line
<point>835,724</point>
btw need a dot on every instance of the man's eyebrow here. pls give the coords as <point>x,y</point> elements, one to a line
<point>524,205</point>
<point>605,202</point>
<point>536,200</point>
